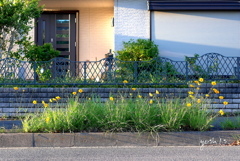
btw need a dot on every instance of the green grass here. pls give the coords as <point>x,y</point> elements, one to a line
<point>231,124</point>
<point>120,115</point>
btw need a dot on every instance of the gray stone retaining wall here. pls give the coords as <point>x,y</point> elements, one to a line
<point>17,102</point>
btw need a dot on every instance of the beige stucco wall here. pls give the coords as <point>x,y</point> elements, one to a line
<point>96,35</point>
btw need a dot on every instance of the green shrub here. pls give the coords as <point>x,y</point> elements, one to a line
<point>138,50</point>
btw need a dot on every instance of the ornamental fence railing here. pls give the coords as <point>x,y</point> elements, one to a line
<point>111,71</point>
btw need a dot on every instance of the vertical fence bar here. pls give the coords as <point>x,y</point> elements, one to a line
<point>135,74</point>
<point>187,71</point>
<point>85,72</point>
<point>35,72</point>
<point>238,68</point>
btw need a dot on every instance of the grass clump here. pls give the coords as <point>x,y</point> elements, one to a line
<point>129,112</point>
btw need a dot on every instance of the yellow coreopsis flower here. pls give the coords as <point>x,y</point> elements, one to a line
<point>150,94</point>
<point>125,81</point>
<point>50,100</point>
<point>196,82</point>
<point>191,85</point>
<point>47,119</point>
<point>207,95</point>
<point>111,98</point>
<point>216,91</point>
<point>201,80</point>
<point>214,83</point>
<point>74,93</point>
<point>34,102</point>
<point>80,91</point>
<point>221,97</point>
<point>134,89</point>
<point>157,92</point>
<point>130,94</point>
<point>45,105</point>
<point>54,99</point>
<point>199,101</point>
<point>58,98</point>
<point>189,104</point>
<point>225,103</point>
<point>15,88</point>
<point>221,112</point>
<point>151,101</point>
<point>190,92</point>
<point>43,102</point>
<point>191,96</point>
<point>139,96</point>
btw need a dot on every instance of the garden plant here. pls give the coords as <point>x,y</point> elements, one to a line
<point>128,112</point>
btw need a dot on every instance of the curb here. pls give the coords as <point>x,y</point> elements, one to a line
<point>212,138</point>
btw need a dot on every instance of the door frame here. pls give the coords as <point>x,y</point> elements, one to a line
<point>77,27</point>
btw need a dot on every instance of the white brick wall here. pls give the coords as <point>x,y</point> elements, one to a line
<point>132,21</point>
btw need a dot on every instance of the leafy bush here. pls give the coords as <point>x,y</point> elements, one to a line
<point>138,50</point>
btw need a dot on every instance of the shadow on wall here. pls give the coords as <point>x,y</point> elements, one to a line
<point>178,50</point>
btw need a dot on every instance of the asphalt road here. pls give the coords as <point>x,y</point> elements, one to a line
<point>205,153</point>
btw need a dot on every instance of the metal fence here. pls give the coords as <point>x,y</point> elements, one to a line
<point>111,71</point>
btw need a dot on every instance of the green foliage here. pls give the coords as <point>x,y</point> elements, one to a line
<point>138,50</point>
<point>16,17</point>
<point>41,53</point>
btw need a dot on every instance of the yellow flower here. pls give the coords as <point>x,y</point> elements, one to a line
<point>151,101</point>
<point>111,98</point>
<point>196,82</point>
<point>47,119</point>
<point>58,98</point>
<point>191,85</point>
<point>197,88</point>
<point>189,104</point>
<point>54,99</point>
<point>130,94</point>
<point>199,101</point>
<point>139,96</point>
<point>221,112</point>
<point>45,105</point>
<point>157,92</point>
<point>150,94</point>
<point>15,88</point>
<point>191,96</point>
<point>50,100</point>
<point>225,103</point>
<point>207,95</point>
<point>216,91</point>
<point>80,91</point>
<point>34,102</point>
<point>221,97</point>
<point>43,102</point>
<point>74,93</point>
<point>190,92</point>
<point>125,81</point>
<point>201,79</point>
<point>89,98</point>
<point>214,83</point>
<point>134,89</point>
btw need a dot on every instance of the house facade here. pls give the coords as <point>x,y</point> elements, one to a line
<point>88,29</point>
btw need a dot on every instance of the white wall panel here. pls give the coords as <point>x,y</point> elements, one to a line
<point>185,33</point>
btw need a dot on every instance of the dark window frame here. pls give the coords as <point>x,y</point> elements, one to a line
<point>174,5</point>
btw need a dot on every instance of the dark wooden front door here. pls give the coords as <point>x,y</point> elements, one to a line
<point>60,30</point>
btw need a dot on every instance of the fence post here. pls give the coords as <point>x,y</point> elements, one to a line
<point>238,68</point>
<point>187,71</point>
<point>135,74</point>
<point>85,72</point>
<point>35,72</point>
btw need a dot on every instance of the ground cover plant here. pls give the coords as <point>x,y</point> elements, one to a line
<point>129,112</point>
